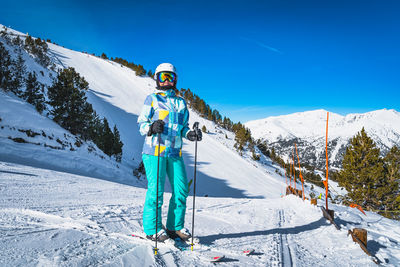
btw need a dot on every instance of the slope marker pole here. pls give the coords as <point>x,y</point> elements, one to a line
<point>301,176</point>
<point>294,171</point>
<point>326,152</point>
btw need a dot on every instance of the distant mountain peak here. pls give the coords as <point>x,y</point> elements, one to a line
<point>309,129</point>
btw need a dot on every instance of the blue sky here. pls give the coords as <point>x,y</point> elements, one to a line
<point>248,59</point>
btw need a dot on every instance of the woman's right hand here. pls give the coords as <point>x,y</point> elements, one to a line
<point>156,127</point>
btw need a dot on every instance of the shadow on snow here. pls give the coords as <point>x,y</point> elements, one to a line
<point>209,240</point>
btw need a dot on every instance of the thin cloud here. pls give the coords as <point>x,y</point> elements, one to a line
<point>262,45</point>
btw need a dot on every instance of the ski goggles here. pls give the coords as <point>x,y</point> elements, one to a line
<point>164,76</point>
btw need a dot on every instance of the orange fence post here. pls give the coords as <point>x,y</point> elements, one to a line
<point>290,173</point>
<point>301,176</point>
<point>326,151</point>
<point>285,173</point>
<point>294,171</point>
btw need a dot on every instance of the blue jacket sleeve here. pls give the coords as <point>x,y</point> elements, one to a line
<point>145,117</point>
<point>185,128</point>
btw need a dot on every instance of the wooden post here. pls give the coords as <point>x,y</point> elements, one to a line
<point>331,213</point>
<point>363,243</point>
<point>361,234</point>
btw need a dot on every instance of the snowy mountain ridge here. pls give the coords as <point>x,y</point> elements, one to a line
<point>308,129</point>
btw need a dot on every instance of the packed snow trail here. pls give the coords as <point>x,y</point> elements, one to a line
<point>59,219</point>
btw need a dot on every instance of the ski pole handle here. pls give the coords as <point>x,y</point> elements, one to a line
<point>196,128</point>
<point>196,125</point>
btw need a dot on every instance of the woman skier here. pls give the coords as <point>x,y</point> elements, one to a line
<point>166,114</point>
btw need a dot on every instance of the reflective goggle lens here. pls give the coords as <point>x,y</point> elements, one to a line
<point>166,76</point>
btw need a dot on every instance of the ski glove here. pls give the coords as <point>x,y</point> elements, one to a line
<point>191,135</point>
<point>156,127</point>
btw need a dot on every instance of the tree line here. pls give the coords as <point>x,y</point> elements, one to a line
<point>137,68</point>
<point>242,134</point>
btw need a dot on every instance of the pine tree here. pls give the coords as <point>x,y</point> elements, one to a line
<point>202,108</point>
<point>29,43</point>
<point>107,139</point>
<point>117,145</point>
<point>392,170</point>
<point>104,56</point>
<point>33,94</point>
<point>5,69</point>
<point>273,154</point>
<point>95,129</point>
<point>19,70</point>
<point>70,107</point>
<point>140,71</point>
<point>38,48</point>
<point>17,41</point>
<point>363,173</point>
<point>209,114</point>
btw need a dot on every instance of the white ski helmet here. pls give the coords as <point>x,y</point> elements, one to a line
<point>164,67</point>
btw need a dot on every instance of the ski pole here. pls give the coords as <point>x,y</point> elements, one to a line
<point>158,175</point>
<point>195,127</point>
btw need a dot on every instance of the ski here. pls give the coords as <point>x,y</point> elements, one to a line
<point>217,258</point>
<point>182,245</point>
<point>248,252</point>
<point>166,242</point>
<point>177,243</point>
<point>203,248</point>
<point>139,236</point>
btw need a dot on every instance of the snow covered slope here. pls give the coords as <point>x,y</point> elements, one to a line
<point>26,137</point>
<point>307,129</point>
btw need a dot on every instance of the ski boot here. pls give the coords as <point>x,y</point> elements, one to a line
<point>161,236</point>
<point>183,234</point>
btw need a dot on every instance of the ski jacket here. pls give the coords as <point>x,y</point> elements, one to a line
<point>172,109</point>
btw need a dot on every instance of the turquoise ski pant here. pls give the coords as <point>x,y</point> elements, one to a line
<point>175,168</point>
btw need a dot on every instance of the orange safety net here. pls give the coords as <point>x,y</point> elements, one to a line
<point>353,205</point>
